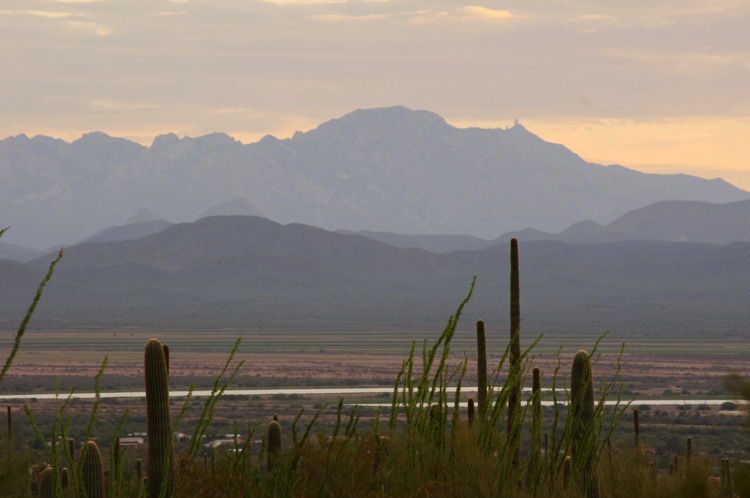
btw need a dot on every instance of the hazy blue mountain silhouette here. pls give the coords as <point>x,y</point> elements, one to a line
<point>671,221</point>
<point>391,169</point>
<point>129,231</point>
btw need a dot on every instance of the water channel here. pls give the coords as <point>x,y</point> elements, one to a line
<point>330,391</point>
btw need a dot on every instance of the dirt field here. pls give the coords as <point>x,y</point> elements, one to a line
<point>650,366</point>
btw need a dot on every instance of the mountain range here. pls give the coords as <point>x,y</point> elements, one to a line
<point>381,170</point>
<point>250,272</point>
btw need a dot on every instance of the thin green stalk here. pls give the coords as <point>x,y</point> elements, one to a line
<point>24,323</point>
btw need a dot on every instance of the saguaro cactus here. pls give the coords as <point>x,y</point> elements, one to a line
<point>637,430</point>
<point>581,411</point>
<point>726,479</point>
<point>92,470</point>
<point>46,486</point>
<point>514,425</point>
<point>165,347</point>
<point>160,462</point>
<point>481,369</point>
<point>65,478</point>
<point>71,451</point>
<point>273,437</point>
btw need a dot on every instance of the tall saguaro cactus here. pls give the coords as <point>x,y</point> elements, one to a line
<point>584,442</point>
<point>273,437</point>
<point>160,463</point>
<point>46,486</point>
<point>637,430</point>
<point>481,369</point>
<point>514,427</point>
<point>92,470</point>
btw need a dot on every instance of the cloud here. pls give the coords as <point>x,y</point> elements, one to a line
<point>483,13</point>
<point>170,13</point>
<point>117,106</point>
<point>314,2</point>
<point>346,18</point>
<point>428,17</point>
<point>98,29</point>
<point>303,2</point>
<point>232,110</point>
<point>47,14</point>
<point>594,17</point>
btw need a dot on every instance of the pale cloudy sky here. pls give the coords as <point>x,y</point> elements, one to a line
<point>659,86</point>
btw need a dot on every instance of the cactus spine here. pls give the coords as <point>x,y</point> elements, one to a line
<point>273,436</point>
<point>514,425</point>
<point>160,462</point>
<point>92,470</point>
<point>481,370</point>
<point>583,431</point>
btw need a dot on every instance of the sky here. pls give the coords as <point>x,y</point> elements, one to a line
<point>658,86</point>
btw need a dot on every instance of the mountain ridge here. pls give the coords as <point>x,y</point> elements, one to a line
<point>390,169</point>
<point>248,272</point>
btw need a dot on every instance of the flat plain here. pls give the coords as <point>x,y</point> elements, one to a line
<point>649,363</point>
<point>689,370</point>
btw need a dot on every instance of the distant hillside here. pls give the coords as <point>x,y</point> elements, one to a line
<point>248,272</point>
<point>127,232</point>
<point>686,221</point>
<point>18,253</point>
<point>671,221</point>
<point>438,244</point>
<point>385,170</point>
<point>239,206</point>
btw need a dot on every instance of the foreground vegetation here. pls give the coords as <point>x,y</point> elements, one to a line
<point>425,444</point>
